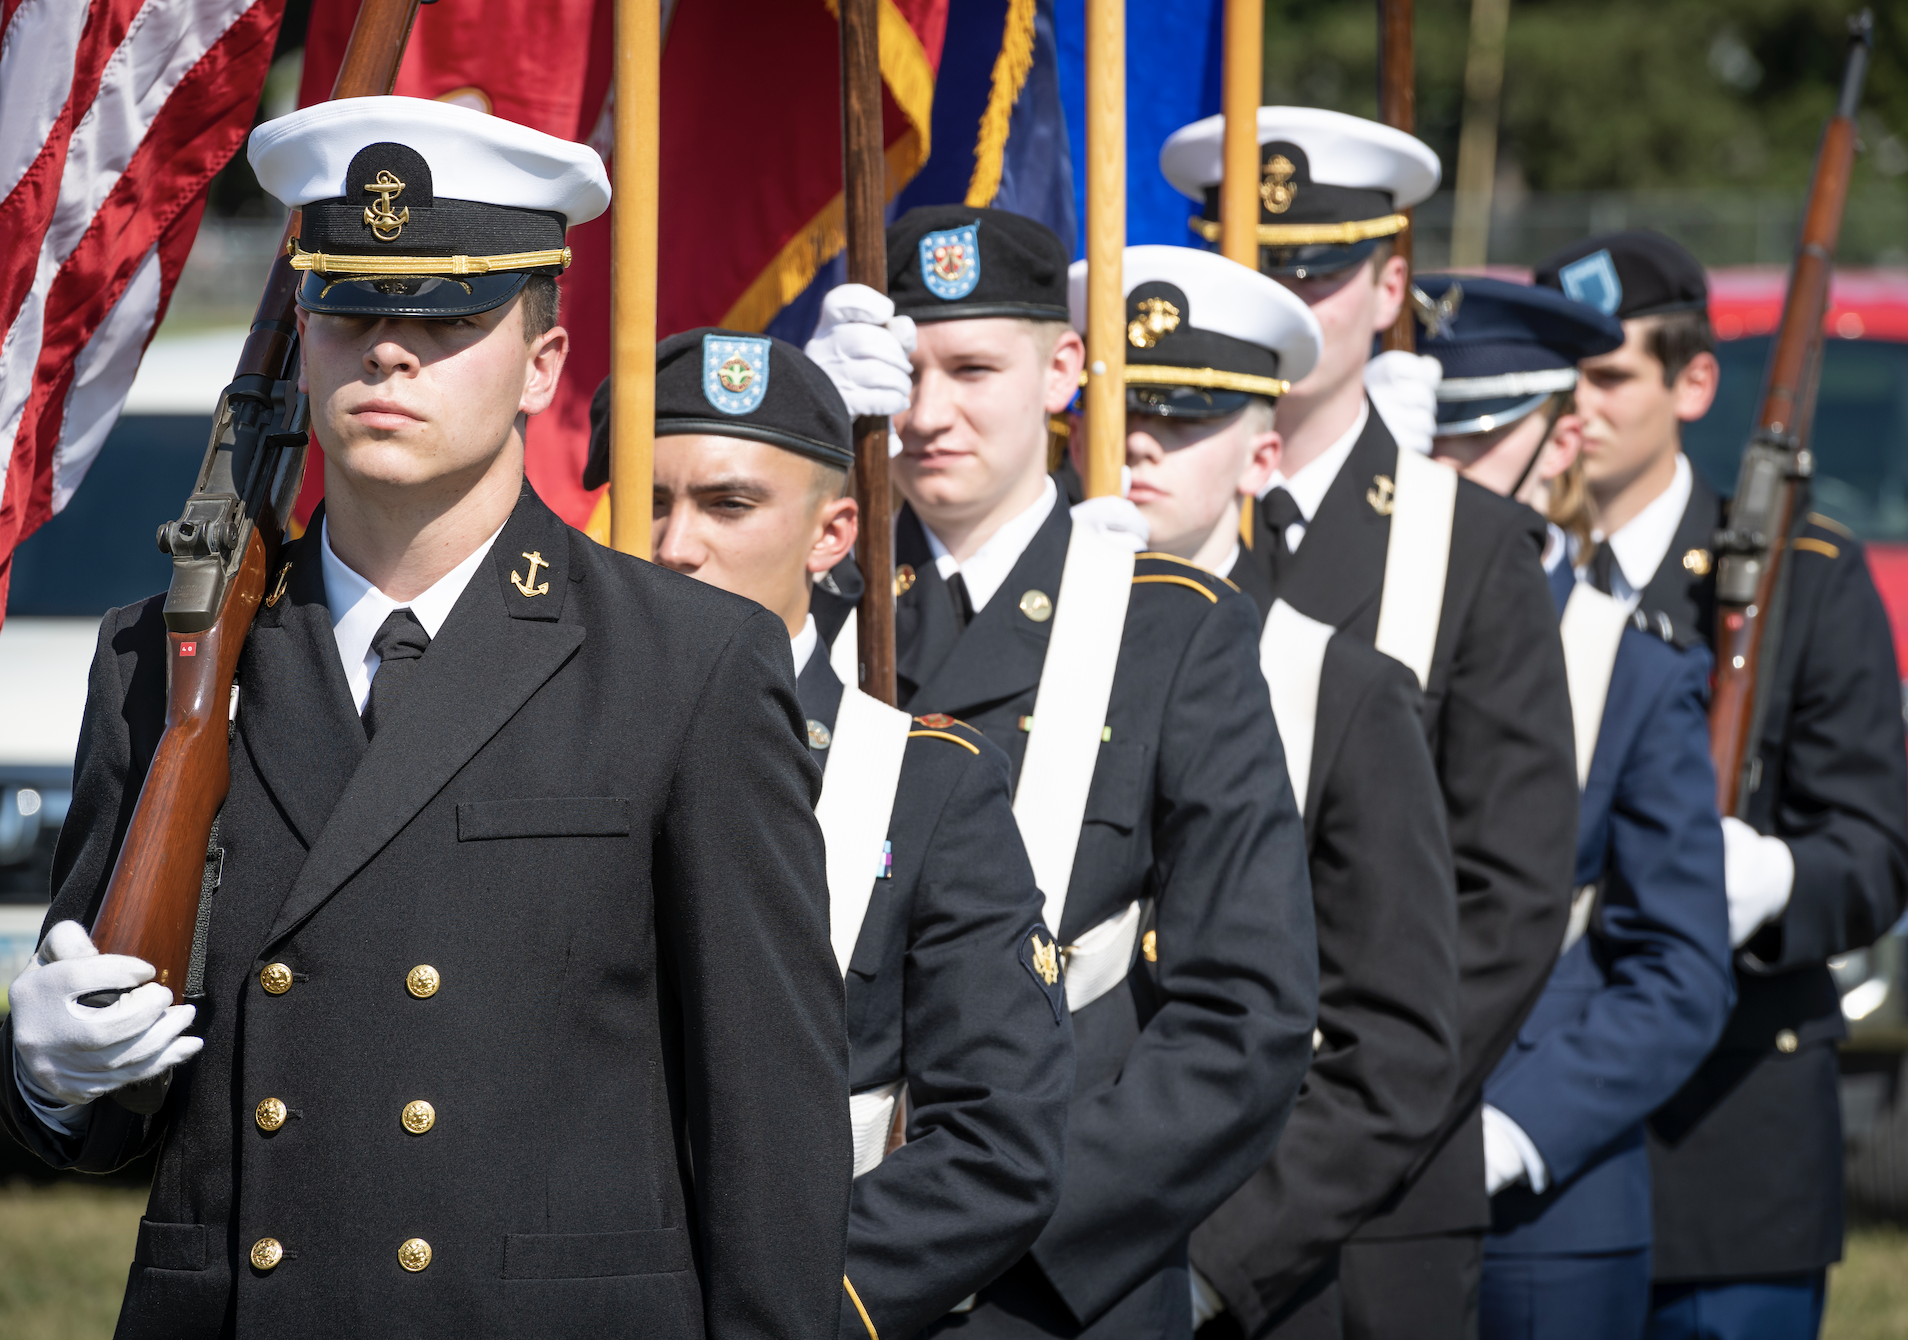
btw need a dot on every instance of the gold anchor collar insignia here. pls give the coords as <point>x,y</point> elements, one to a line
<point>1275,184</point>
<point>1381,494</point>
<point>386,223</point>
<point>1156,319</point>
<point>528,586</point>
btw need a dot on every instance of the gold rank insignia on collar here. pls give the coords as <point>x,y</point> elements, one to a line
<point>525,584</point>
<point>1380,494</point>
<point>278,587</point>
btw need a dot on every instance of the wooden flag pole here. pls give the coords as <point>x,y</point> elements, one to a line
<point>635,164</point>
<point>1398,108</point>
<point>1244,79</point>
<point>1105,398</point>
<point>864,181</point>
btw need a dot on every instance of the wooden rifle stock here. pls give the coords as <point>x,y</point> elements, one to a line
<point>223,547</point>
<point>1752,550</point>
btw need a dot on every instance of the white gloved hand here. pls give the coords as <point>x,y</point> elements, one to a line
<point>1759,874</point>
<point>1404,387</point>
<point>864,348</point>
<point>75,1053</point>
<point>1509,1155</point>
<point>1117,521</point>
<point>1206,1302</point>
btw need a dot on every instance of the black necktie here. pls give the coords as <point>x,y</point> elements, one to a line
<point>399,642</point>
<point>1604,567</point>
<point>1281,512</point>
<point>963,607</point>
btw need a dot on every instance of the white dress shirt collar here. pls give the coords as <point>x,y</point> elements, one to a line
<point>1642,544</point>
<point>1309,484</point>
<point>358,609</point>
<point>802,645</point>
<point>1232,561</point>
<point>985,572</point>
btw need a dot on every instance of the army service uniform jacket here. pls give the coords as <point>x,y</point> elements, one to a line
<point>1379,1090</point>
<point>571,896</point>
<point>1186,1071</point>
<point>1497,716</point>
<point>947,991</point>
<point>1747,1159</point>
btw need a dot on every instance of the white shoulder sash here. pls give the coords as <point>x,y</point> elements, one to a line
<point>1069,716</point>
<point>1292,658</point>
<point>844,653</point>
<point>1592,630</point>
<point>1424,499</point>
<point>857,801</point>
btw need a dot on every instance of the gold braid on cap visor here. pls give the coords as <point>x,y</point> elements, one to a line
<point>1313,234</point>
<point>424,266</point>
<point>1205,379</point>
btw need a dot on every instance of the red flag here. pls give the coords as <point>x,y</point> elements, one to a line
<point>115,116</point>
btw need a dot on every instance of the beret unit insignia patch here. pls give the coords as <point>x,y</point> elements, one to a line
<point>735,372</point>
<point>1593,281</point>
<point>950,262</point>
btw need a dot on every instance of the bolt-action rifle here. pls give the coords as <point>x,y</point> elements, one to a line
<point>223,546</point>
<point>1752,570</point>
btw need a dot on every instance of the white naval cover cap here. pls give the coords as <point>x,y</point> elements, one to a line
<point>1344,150</point>
<point>1223,297</point>
<point>472,156</point>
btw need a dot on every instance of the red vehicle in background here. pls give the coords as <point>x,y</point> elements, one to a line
<point>1860,442</point>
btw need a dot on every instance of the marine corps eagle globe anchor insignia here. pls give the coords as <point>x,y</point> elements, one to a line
<point>385,222</point>
<point>526,585</point>
<point>1154,319</point>
<point>1275,186</point>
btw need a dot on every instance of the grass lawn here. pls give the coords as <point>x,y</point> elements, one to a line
<point>64,1251</point>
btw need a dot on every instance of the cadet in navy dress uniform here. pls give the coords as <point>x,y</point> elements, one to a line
<point>959,1034</point>
<point>1644,984</point>
<point>1747,1158</point>
<point>519,1015</point>
<point>1383,892</point>
<point>1150,788</point>
<point>1463,603</point>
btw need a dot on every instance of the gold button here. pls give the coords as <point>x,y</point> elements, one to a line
<point>1036,605</point>
<point>276,978</point>
<point>266,1253</point>
<point>422,981</point>
<point>1149,947</point>
<point>419,1117</point>
<point>903,579</point>
<point>1787,1041</point>
<point>269,1114</point>
<point>414,1254</point>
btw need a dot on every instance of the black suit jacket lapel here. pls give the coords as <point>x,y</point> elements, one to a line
<point>1250,577</point>
<point>1001,653</point>
<point>296,719</point>
<point>1680,592</point>
<point>1339,569</point>
<point>925,627</point>
<point>497,648</point>
<point>820,690</point>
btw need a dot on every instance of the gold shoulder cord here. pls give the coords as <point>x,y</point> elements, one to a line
<point>855,1298</point>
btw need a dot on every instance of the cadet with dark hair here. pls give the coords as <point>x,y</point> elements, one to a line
<point>519,1013</point>
<point>1746,1161</point>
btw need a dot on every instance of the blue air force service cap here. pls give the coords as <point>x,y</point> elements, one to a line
<point>1505,348</point>
<point>1204,334</point>
<point>1628,274</point>
<point>730,383</point>
<point>1330,185</point>
<point>952,262</point>
<point>415,208</point>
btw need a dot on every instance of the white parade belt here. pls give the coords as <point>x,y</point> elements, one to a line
<point>871,1115</point>
<point>1100,959</point>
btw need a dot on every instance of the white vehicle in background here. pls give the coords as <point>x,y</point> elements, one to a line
<point>97,554</point>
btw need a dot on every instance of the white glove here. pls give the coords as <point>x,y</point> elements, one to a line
<point>1206,1301</point>
<point>1117,521</point>
<point>1759,874</point>
<point>1404,387</point>
<point>1509,1155</point>
<point>75,1053</point>
<point>864,348</point>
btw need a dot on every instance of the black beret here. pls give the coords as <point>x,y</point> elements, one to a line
<point>951,262</point>
<point>1627,274</point>
<point>730,383</point>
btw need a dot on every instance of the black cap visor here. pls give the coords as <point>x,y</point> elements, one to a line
<point>1462,418</point>
<point>423,296</point>
<point>1310,262</point>
<point>1187,402</point>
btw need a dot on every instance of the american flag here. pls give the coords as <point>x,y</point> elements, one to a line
<point>114,117</point>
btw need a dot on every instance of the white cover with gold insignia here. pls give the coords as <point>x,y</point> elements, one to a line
<point>857,802</point>
<point>1424,501</point>
<point>1292,658</point>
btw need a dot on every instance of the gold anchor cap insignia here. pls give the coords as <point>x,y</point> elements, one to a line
<point>527,585</point>
<point>1157,319</point>
<point>385,222</point>
<point>1275,186</point>
<point>1046,960</point>
<point>1380,494</point>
